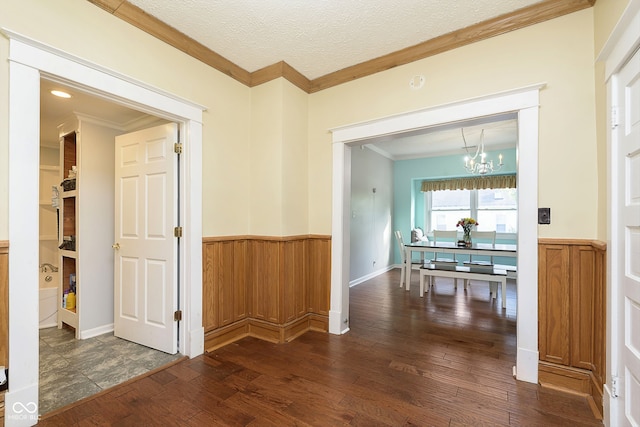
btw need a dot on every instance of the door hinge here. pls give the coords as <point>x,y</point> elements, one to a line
<point>614,117</point>
<point>614,386</point>
<point>177,232</point>
<point>177,315</point>
<point>177,148</point>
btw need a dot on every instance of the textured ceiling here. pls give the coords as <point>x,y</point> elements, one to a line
<point>318,37</point>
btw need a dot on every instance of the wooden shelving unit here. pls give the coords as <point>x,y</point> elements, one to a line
<point>86,218</point>
<point>68,227</point>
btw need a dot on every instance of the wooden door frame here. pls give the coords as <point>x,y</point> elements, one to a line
<point>30,60</point>
<point>525,103</point>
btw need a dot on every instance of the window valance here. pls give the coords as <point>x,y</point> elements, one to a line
<point>470,183</point>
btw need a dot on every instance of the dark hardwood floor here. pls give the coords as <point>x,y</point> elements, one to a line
<point>442,360</point>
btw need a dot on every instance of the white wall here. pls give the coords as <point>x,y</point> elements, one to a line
<point>371,213</point>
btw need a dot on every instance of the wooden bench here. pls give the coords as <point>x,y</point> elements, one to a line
<point>493,276</point>
<point>512,270</point>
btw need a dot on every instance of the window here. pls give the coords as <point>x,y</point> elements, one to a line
<point>495,209</point>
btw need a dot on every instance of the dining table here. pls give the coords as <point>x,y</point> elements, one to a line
<point>484,249</point>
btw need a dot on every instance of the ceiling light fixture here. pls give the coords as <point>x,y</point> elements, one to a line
<point>60,94</point>
<point>481,167</point>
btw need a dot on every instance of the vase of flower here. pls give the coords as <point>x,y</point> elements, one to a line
<point>467,225</point>
<point>466,237</point>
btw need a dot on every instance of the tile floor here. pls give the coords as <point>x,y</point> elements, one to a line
<point>72,369</point>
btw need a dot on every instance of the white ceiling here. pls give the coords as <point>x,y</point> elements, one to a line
<point>316,38</point>
<point>55,110</point>
<point>495,133</point>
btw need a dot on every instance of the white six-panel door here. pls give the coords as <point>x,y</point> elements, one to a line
<point>145,247</point>
<point>627,160</point>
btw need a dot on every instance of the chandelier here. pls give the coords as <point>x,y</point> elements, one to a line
<point>481,166</point>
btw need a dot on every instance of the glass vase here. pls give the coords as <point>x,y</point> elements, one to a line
<point>467,238</point>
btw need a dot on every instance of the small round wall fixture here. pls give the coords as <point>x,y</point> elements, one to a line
<point>416,82</point>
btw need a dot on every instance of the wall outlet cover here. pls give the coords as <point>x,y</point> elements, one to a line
<point>544,215</point>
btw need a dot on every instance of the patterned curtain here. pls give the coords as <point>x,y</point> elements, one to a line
<point>471,183</point>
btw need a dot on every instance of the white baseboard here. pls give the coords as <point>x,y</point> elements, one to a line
<point>196,342</point>
<point>336,325</point>
<point>100,330</point>
<point>376,273</point>
<point>527,368</point>
<point>45,325</point>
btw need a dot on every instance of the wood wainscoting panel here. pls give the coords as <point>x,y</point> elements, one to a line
<point>553,303</point>
<point>272,288</point>
<point>598,376</point>
<point>4,303</point>
<point>319,275</point>
<point>572,317</point>
<point>224,299</point>
<point>582,286</point>
<point>265,279</point>
<point>294,258</point>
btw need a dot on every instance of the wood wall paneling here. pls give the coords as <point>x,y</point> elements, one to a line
<point>582,289</point>
<point>209,291</point>
<point>241,294</point>
<point>271,288</point>
<point>293,273</point>
<point>599,326</point>
<point>265,280</point>
<point>319,276</point>
<point>554,296</point>
<point>274,278</point>
<point>224,299</point>
<point>572,317</point>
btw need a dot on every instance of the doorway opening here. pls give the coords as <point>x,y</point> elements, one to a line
<point>521,102</point>
<point>69,369</point>
<point>29,62</point>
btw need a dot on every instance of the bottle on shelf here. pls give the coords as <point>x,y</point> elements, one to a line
<point>71,301</point>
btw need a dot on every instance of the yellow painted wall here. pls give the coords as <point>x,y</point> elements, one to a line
<point>265,159</point>
<point>295,161</point>
<point>567,146</point>
<point>606,14</point>
<point>277,161</point>
<point>236,130</point>
<point>84,30</point>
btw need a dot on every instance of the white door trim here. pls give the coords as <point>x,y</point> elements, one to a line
<point>524,102</point>
<point>623,42</point>
<point>28,61</point>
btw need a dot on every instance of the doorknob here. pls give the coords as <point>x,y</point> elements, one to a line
<point>116,246</point>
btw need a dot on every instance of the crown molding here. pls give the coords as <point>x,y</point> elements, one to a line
<point>534,14</point>
<point>139,18</point>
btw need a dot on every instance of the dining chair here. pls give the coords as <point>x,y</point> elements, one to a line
<point>482,237</point>
<point>415,265</point>
<point>444,236</point>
